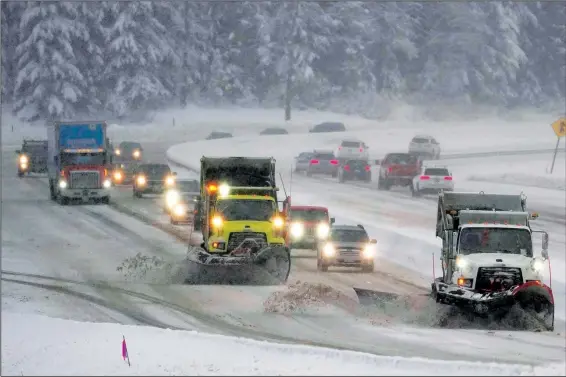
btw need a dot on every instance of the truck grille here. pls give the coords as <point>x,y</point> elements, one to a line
<point>498,278</point>
<point>349,250</point>
<point>85,179</point>
<point>236,239</point>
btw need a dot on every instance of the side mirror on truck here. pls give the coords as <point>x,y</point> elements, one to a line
<point>332,220</point>
<point>545,245</point>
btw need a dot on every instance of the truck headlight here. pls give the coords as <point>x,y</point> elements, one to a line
<point>180,210</point>
<point>170,181</point>
<point>217,221</point>
<point>278,222</point>
<point>107,183</point>
<point>322,230</point>
<point>297,230</point>
<point>171,198</point>
<point>368,252</point>
<point>136,154</point>
<point>328,250</point>
<point>62,184</point>
<point>461,263</point>
<point>141,180</point>
<point>117,152</point>
<point>223,190</point>
<point>537,265</point>
<point>117,176</point>
<point>23,160</point>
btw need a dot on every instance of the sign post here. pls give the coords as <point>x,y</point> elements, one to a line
<point>559,128</point>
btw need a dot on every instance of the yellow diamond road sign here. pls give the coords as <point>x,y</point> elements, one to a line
<point>559,127</point>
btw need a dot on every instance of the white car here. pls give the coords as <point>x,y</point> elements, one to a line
<point>425,146</point>
<point>352,150</point>
<point>432,180</point>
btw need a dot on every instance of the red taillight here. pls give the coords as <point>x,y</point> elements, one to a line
<point>361,149</point>
<point>368,168</point>
<point>389,170</point>
<point>447,178</point>
<point>339,148</point>
<point>334,162</point>
<point>314,162</point>
<point>425,177</point>
<point>347,167</point>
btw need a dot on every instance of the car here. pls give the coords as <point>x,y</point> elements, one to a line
<point>425,146</point>
<point>432,180</point>
<point>32,158</point>
<point>186,190</point>
<point>328,127</point>
<point>352,149</point>
<point>347,246</point>
<point>302,161</point>
<point>351,170</point>
<point>218,135</point>
<point>128,151</point>
<point>150,178</point>
<point>397,169</point>
<point>307,225</point>
<point>122,173</point>
<point>274,131</point>
<point>320,162</point>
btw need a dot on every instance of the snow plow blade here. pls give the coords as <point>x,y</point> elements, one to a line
<point>527,306</point>
<point>269,266</point>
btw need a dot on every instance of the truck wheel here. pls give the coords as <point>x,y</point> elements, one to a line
<point>320,266</point>
<point>63,200</point>
<point>105,200</point>
<point>20,174</point>
<point>137,194</point>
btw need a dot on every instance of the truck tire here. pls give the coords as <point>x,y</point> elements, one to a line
<point>105,200</point>
<point>62,200</point>
<point>137,194</point>
<point>320,266</point>
<point>20,174</point>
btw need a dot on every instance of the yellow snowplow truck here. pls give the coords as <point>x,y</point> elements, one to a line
<point>243,229</point>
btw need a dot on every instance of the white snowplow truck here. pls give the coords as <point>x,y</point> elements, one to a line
<point>489,269</point>
<point>487,258</point>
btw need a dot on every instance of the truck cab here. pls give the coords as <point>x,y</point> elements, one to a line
<point>244,222</point>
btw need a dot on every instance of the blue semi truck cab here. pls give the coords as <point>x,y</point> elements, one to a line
<point>78,156</point>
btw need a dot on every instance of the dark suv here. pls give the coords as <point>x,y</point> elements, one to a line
<point>32,158</point>
<point>354,170</point>
<point>152,179</point>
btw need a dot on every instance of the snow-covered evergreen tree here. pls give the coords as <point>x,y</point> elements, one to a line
<point>49,82</point>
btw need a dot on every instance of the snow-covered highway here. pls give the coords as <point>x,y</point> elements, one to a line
<point>65,261</point>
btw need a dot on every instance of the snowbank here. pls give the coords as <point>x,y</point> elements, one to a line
<point>39,345</point>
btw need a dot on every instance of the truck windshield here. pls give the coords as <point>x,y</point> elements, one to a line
<point>246,209</point>
<point>68,159</point>
<point>496,240</point>
<point>35,150</point>
<point>308,215</point>
<point>400,159</point>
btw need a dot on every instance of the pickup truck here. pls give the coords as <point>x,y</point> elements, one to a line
<point>397,169</point>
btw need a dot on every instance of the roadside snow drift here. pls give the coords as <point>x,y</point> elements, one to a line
<point>38,345</point>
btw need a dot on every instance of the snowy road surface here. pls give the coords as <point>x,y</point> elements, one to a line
<point>95,349</point>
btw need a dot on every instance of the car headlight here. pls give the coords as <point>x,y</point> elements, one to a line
<point>107,183</point>
<point>118,176</point>
<point>23,159</point>
<point>328,250</point>
<point>141,180</point>
<point>180,210</point>
<point>537,265</point>
<point>322,230</point>
<point>171,198</point>
<point>117,152</point>
<point>368,252</point>
<point>297,230</point>
<point>170,181</point>
<point>62,184</point>
<point>136,154</point>
<point>217,221</point>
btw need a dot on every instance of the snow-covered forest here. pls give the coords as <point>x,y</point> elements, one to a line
<point>64,59</point>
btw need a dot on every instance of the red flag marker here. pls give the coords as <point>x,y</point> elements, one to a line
<point>125,355</point>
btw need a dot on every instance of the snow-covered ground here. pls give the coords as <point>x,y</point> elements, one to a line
<point>39,345</point>
<point>402,224</point>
